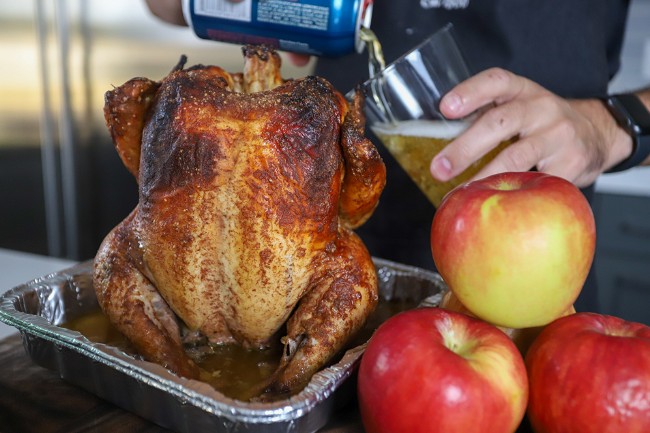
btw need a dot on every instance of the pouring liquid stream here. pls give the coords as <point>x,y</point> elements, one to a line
<point>376,64</point>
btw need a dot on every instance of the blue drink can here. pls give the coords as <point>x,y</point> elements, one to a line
<point>318,27</point>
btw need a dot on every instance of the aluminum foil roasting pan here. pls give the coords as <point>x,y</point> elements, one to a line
<point>38,308</point>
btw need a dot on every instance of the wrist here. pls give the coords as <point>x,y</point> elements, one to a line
<point>614,142</point>
<point>620,143</point>
<point>633,118</point>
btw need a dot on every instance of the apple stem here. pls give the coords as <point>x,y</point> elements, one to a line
<point>455,338</point>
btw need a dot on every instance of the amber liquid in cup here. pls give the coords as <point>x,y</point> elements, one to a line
<point>414,143</point>
<point>402,107</point>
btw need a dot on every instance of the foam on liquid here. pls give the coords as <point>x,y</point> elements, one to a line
<point>422,128</point>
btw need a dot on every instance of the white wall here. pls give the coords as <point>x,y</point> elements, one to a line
<point>634,74</point>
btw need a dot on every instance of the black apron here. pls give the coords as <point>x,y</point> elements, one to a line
<point>571,47</point>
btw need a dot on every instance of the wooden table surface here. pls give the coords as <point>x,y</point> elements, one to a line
<point>35,399</point>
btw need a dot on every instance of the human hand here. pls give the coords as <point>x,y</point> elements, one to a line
<point>170,11</point>
<point>298,59</point>
<point>573,139</point>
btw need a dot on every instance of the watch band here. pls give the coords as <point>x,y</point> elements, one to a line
<point>634,118</point>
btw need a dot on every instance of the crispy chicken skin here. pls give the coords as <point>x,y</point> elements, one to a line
<point>249,188</point>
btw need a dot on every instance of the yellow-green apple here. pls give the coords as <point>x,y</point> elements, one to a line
<point>515,248</point>
<point>590,373</point>
<point>434,370</point>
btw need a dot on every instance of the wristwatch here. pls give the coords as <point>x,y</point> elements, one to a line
<point>634,118</point>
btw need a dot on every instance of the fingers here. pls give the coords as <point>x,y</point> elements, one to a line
<point>495,126</point>
<point>492,86</point>
<point>501,96</point>
<point>521,155</point>
<point>170,11</point>
<point>554,135</point>
<point>560,144</point>
<point>510,106</point>
<point>298,59</point>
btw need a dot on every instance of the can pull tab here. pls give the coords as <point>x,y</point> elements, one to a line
<point>366,4</point>
<point>363,21</point>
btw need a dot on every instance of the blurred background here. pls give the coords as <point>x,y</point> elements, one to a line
<point>63,187</point>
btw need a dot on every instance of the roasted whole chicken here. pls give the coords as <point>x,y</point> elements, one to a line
<point>249,188</point>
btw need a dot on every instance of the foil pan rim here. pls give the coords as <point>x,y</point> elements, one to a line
<point>205,397</point>
<point>199,394</point>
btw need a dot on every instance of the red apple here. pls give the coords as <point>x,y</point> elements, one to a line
<point>433,370</point>
<point>515,248</point>
<point>590,373</point>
